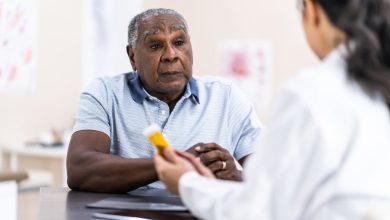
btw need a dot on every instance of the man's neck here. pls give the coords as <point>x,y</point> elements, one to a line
<point>170,99</point>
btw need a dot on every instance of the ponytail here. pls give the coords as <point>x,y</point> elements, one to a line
<point>367,26</point>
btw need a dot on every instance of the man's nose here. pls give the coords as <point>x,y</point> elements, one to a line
<point>169,54</point>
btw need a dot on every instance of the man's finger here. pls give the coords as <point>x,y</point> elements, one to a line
<point>217,166</point>
<point>212,156</point>
<point>192,149</point>
<point>203,148</point>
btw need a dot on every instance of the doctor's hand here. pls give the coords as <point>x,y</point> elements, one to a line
<point>219,161</point>
<point>173,165</point>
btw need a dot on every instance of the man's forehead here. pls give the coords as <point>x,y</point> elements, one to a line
<point>156,24</point>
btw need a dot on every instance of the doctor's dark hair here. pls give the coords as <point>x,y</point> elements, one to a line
<point>367,26</point>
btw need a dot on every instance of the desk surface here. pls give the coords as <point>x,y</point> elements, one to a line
<point>62,203</point>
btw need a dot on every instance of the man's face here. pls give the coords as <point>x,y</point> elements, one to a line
<point>163,55</point>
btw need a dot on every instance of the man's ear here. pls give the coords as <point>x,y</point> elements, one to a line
<point>130,54</point>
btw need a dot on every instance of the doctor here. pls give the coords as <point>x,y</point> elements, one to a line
<point>326,154</point>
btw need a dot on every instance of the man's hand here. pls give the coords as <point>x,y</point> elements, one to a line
<point>192,150</point>
<point>218,160</point>
<point>173,164</point>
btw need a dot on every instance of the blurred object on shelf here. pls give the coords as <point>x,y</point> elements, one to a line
<point>17,176</point>
<point>52,138</point>
<point>36,179</point>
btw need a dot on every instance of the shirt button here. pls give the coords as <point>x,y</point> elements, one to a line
<point>162,112</point>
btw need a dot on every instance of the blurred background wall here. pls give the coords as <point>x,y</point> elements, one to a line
<point>60,41</point>
<point>58,75</point>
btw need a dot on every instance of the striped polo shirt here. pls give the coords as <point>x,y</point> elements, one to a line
<point>211,110</point>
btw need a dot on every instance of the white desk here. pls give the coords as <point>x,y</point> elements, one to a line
<point>51,159</point>
<point>8,199</point>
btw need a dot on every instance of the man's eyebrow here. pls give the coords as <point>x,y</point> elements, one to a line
<point>156,30</point>
<point>151,31</point>
<point>178,27</point>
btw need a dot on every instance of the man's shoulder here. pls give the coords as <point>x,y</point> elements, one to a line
<point>222,87</point>
<point>109,84</point>
<point>115,80</point>
<point>211,80</point>
<point>214,83</point>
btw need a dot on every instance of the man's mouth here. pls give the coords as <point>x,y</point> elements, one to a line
<point>169,73</point>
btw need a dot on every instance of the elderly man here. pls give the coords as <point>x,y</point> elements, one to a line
<point>108,152</point>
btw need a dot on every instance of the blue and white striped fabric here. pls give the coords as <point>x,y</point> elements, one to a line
<point>210,111</point>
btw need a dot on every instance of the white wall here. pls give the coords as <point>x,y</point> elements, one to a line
<point>105,37</point>
<point>58,75</point>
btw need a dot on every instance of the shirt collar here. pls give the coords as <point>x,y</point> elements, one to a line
<point>192,86</point>
<point>338,56</point>
<point>136,90</point>
<point>138,93</point>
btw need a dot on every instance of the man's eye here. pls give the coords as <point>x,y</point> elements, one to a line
<point>179,42</point>
<point>155,46</point>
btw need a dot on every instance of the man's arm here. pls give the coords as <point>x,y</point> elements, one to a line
<point>90,166</point>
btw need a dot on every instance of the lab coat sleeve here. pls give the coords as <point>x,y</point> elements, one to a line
<point>280,163</point>
<point>216,199</point>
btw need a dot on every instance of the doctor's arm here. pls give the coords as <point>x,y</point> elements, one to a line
<point>272,175</point>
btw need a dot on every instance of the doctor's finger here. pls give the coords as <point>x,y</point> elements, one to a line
<point>186,155</point>
<point>160,164</point>
<point>170,155</point>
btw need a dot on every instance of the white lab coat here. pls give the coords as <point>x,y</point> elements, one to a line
<point>325,156</point>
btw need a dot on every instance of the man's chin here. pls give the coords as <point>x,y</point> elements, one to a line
<point>173,87</point>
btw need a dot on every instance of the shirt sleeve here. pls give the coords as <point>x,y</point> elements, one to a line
<point>245,123</point>
<point>279,177</point>
<point>92,113</point>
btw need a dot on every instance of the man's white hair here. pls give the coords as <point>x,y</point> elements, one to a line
<point>138,19</point>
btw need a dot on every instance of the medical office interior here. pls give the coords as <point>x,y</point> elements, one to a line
<point>63,45</point>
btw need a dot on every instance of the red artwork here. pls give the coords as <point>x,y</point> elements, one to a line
<point>17,43</point>
<point>248,64</point>
<point>238,64</point>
